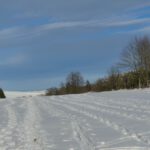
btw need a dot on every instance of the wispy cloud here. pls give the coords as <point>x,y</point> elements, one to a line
<point>105,23</point>
<point>109,22</point>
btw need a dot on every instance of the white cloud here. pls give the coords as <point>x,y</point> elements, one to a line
<point>117,21</point>
<point>108,22</point>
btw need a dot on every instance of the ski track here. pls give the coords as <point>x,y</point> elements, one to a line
<point>33,138</point>
<point>108,123</point>
<point>111,111</point>
<point>72,106</point>
<point>7,131</point>
<point>76,122</point>
<point>25,134</point>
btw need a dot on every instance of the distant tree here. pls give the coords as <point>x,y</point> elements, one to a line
<point>101,85</point>
<point>130,57</point>
<point>74,82</point>
<point>144,52</point>
<point>52,91</point>
<point>62,89</point>
<point>136,57</point>
<point>87,86</point>
<point>113,77</point>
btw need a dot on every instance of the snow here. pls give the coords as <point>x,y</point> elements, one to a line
<point>13,94</point>
<point>117,120</point>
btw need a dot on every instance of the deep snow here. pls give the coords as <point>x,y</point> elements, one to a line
<point>93,121</point>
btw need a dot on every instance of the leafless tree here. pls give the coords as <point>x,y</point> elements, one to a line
<point>113,76</point>
<point>74,81</point>
<point>136,57</point>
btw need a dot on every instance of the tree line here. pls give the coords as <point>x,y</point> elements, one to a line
<point>132,71</point>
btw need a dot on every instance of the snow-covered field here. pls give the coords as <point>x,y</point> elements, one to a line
<point>93,121</point>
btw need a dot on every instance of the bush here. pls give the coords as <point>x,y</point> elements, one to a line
<point>2,95</point>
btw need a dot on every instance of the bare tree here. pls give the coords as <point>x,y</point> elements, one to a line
<point>130,57</point>
<point>74,81</point>
<point>143,46</point>
<point>113,77</point>
<point>88,86</point>
<point>136,57</point>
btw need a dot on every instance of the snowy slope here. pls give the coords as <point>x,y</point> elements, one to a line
<point>93,121</point>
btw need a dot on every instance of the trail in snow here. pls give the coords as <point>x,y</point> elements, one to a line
<point>94,121</point>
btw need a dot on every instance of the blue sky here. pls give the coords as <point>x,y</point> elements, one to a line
<point>41,41</point>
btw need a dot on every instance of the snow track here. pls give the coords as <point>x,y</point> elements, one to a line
<point>7,131</point>
<point>83,140</point>
<point>109,123</point>
<point>33,138</point>
<point>93,121</point>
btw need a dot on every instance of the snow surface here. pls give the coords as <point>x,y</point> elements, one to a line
<point>93,121</point>
<point>13,94</point>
